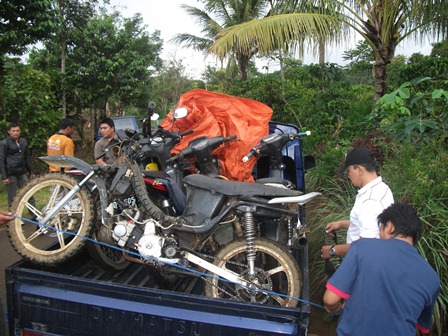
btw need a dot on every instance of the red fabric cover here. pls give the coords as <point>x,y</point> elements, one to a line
<point>216,114</point>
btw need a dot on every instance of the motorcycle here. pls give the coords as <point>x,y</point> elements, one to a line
<point>217,235</point>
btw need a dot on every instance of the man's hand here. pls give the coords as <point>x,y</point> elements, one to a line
<point>334,226</point>
<point>325,254</point>
<point>6,181</point>
<point>5,217</point>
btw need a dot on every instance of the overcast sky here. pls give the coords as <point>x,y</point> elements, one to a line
<point>168,17</point>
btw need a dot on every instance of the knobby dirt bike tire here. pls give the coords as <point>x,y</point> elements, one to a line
<point>151,210</point>
<point>36,243</point>
<point>106,257</point>
<point>277,271</point>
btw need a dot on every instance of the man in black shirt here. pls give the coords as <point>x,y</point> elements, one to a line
<point>15,161</point>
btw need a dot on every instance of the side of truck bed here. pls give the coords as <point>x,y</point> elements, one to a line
<point>80,298</point>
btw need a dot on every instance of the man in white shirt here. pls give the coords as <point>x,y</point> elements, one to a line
<point>373,197</point>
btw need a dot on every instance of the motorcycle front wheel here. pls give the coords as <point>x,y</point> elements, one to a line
<point>62,237</point>
<point>278,276</point>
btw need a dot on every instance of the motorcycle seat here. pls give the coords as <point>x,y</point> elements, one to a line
<point>235,188</point>
<point>155,174</point>
<point>276,182</point>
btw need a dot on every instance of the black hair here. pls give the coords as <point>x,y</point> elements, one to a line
<point>12,124</point>
<point>405,220</point>
<point>108,121</point>
<point>64,123</point>
<point>369,166</point>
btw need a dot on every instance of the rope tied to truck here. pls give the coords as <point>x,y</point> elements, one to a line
<point>164,261</point>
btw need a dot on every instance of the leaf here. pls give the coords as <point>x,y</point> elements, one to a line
<point>404,111</point>
<point>411,124</point>
<point>404,93</point>
<point>436,94</point>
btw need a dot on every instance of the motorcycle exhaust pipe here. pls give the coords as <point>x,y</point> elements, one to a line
<point>300,241</point>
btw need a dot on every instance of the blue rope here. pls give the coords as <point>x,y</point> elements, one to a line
<point>158,260</point>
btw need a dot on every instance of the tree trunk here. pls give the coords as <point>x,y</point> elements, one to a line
<point>321,52</point>
<point>282,74</point>
<point>243,61</point>
<point>382,58</point>
<point>63,57</point>
<point>379,77</point>
<point>63,93</point>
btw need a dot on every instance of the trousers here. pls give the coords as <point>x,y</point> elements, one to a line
<point>15,182</point>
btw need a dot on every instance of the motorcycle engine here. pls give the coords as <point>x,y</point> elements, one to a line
<point>140,236</point>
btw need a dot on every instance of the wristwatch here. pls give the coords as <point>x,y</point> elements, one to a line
<point>332,251</point>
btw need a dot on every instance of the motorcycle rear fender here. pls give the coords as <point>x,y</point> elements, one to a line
<point>202,205</point>
<point>302,199</point>
<point>67,162</point>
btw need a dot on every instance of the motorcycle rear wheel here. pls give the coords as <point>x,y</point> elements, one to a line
<point>62,236</point>
<point>277,272</point>
<point>105,256</point>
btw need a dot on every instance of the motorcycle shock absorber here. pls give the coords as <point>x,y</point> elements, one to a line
<point>249,231</point>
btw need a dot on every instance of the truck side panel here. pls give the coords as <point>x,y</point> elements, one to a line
<point>60,304</point>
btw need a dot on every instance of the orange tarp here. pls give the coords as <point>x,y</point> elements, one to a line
<point>216,114</point>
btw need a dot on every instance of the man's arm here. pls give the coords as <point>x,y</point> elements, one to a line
<point>332,302</point>
<point>340,250</point>
<point>98,152</point>
<point>69,149</point>
<point>337,225</point>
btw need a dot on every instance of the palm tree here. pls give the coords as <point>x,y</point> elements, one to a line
<point>218,15</point>
<point>382,23</point>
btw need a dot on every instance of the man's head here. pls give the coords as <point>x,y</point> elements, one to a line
<point>14,131</point>
<point>67,126</point>
<point>360,166</point>
<point>107,128</point>
<point>400,220</point>
<point>360,157</point>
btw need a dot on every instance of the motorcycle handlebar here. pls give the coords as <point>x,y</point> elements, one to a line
<point>171,134</point>
<point>198,145</point>
<point>273,139</point>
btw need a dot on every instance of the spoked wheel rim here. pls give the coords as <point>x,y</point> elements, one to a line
<point>62,236</point>
<point>277,274</point>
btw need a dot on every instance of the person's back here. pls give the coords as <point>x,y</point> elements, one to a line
<point>61,143</point>
<point>393,282</point>
<point>371,200</point>
<point>388,287</point>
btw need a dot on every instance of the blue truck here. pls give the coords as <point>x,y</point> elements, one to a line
<point>81,298</point>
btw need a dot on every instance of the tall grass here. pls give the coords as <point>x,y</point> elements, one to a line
<point>417,175</point>
<point>433,246</point>
<point>3,198</point>
<point>336,203</point>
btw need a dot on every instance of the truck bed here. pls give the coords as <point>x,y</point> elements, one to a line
<point>80,298</point>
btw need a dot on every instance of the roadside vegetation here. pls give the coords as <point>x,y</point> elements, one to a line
<point>75,74</point>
